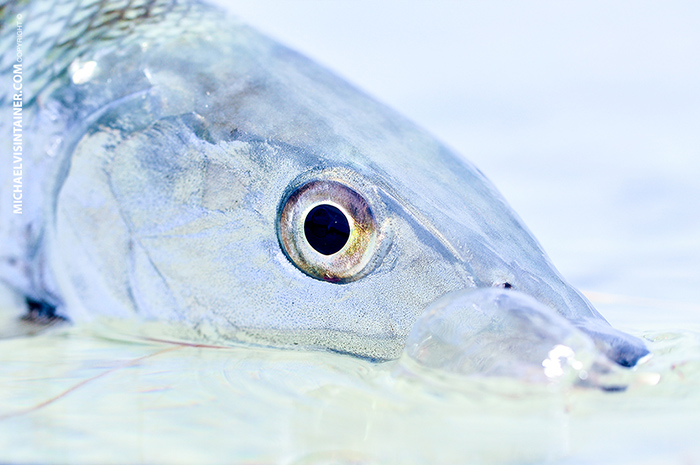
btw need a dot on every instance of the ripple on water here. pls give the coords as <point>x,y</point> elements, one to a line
<point>85,398</point>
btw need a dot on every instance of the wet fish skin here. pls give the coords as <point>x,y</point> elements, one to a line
<point>161,137</point>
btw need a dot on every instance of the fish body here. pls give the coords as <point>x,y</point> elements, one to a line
<point>181,167</point>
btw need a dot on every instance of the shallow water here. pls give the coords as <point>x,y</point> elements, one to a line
<point>76,395</point>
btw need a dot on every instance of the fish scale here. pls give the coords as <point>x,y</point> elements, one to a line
<point>56,32</point>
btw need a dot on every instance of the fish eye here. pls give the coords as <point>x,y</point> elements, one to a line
<point>328,230</point>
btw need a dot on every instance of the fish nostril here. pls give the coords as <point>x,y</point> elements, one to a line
<point>505,285</point>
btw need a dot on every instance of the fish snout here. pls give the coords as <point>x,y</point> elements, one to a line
<point>499,332</point>
<point>504,332</point>
<point>619,347</point>
<point>622,348</point>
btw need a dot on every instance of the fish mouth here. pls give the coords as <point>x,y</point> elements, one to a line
<point>622,348</point>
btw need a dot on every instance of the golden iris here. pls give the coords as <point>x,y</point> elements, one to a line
<point>328,230</point>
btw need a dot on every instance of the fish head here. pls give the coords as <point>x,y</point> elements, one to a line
<point>244,193</point>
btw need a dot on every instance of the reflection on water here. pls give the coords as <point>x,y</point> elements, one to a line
<point>74,395</point>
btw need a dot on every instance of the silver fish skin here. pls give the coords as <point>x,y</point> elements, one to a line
<point>161,139</point>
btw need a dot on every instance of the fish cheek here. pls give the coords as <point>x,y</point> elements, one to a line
<point>121,193</point>
<point>129,204</point>
<point>223,188</point>
<point>180,196</point>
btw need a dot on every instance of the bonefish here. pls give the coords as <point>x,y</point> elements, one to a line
<point>182,168</point>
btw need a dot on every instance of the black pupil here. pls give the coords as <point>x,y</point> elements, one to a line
<point>326,229</point>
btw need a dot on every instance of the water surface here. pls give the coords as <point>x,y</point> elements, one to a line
<point>86,395</point>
